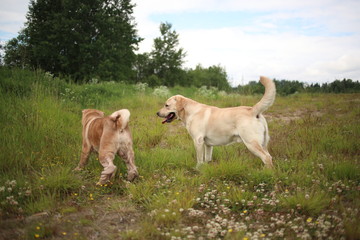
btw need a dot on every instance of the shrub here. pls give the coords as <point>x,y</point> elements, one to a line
<point>161,91</point>
<point>140,87</point>
<point>207,92</point>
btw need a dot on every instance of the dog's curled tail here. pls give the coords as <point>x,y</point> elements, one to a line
<point>269,96</point>
<point>121,117</point>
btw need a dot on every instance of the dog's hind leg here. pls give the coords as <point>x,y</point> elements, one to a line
<point>129,159</point>
<point>85,152</point>
<point>258,150</point>
<point>107,161</point>
<point>266,137</point>
<point>208,152</point>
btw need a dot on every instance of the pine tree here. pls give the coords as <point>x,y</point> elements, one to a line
<point>167,58</point>
<point>82,38</point>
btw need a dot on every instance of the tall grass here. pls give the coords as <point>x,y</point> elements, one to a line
<point>311,193</point>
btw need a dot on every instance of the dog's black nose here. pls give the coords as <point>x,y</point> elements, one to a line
<point>158,113</point>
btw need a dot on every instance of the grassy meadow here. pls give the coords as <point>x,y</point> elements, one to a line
<point>312,193</point>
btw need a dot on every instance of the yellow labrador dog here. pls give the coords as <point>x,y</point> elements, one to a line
<point>212,126</point>
<point>108,136</point>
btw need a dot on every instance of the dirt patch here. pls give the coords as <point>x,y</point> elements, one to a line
<point>288,117</point>
<point>105,219</point>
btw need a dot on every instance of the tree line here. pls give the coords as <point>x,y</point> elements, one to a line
<point>97,39</point>
<point>285,87</point>
<point>87,40</point>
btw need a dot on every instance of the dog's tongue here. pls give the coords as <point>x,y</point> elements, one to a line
<point>167,118</point>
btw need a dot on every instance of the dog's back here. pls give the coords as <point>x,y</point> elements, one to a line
<point>108,136</point>
<point>96,126</point>
<point>93,125</point>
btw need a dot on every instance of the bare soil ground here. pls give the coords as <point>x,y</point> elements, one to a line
<point>105,219</point>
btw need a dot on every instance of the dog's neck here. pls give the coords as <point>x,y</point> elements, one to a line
<point>188,110</point>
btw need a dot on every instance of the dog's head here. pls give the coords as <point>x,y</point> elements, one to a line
<point>173,109</point>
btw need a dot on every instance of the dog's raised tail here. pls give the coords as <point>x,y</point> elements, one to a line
<point>121,117</point>
<point>269,96</point>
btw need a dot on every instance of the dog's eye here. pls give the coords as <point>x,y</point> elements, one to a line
<point>166,105</point>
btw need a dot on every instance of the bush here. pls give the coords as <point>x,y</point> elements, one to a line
<point>162,91</point>
<point>207,91</point>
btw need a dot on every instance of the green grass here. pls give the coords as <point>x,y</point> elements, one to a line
<point>313,190</point>
<point>309,204</point>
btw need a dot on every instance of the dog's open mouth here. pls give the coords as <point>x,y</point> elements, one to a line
<point>169,118</point>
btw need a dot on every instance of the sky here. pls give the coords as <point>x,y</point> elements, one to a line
<point>313,41</point>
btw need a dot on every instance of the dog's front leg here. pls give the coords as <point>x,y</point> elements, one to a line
<point>85,152</point>
<point>200,149</point>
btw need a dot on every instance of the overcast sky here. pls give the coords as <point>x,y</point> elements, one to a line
<point>308,40</point>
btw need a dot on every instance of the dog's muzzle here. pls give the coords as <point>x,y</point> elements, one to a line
<point>169,118</point>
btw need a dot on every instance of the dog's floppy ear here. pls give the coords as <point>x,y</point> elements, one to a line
<point>121,118</point>
<point>180,102</point>
<point>180,105</point>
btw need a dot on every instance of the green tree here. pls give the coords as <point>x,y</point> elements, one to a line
<point>1,54</point>
<point>167,58</point>
<point>16,52</point>
<point>142,67</point>
<point>283,87</point>
<point>214,76</point>
<point>80,38</point>
<point>286,87</point>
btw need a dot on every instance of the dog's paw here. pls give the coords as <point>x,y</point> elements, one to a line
<point>103,182</point>
<point>269,166</point>
<point>198,166</point>
<point>132,175</point>
<point>77,169</point>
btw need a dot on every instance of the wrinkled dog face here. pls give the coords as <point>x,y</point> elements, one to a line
<point>169,111</point>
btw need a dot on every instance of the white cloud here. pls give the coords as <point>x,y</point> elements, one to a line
<point>323,55</point>
<point>343,67</point>
<point>13,16</point>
